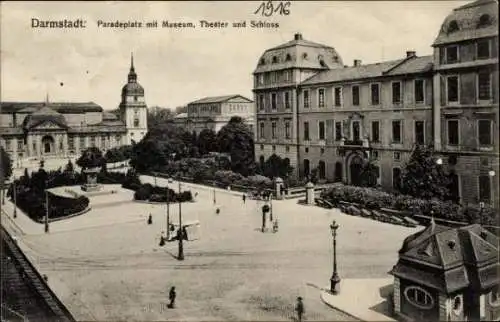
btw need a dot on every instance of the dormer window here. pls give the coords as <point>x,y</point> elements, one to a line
<point>484,21</point>
<point>288,57</point>
<point>275,59</point>
<point>322,63</point>
<point>452,26</point>
<point>262,61</point>
<point>304,55</point>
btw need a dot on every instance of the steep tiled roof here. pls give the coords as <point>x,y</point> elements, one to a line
<point>42,115</point>
<point>460,257</point>
<point>218,99</point>
<point>467,20</point>
<point>299,42</point>
<point>61,107</point>
<point>109,116</point>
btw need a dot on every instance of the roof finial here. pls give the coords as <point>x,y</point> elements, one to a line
<point>132,61</point>
<point>47,98</point>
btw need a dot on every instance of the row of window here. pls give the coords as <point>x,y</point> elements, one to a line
<point>276,101</point>
<point>484,132</point>
<point>274,77</point>
<point>484,20</point>
<point>451,54</point>
<point>204,109</point>
<point>483,88</point>
<point>355,130</point>
<point>375,97</point>
<point>71,142</point>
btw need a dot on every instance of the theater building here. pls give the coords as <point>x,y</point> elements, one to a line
<point>214,112</point>
<point>35,130</point>
<point>324,115</point>
<point>448,274</point>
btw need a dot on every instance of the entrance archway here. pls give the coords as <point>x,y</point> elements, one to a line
<point>48,145</point>
<point>355,169</point>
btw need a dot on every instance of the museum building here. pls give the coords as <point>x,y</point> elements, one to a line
<point>319,113</point>
<point>49,129</point>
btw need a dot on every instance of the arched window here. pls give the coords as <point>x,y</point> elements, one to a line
<point>322,169</point>
<point>419,297</point>
<point>262,160</point>
<point>322,63</point>
<point>453,26</point>
<point>288,57</point>
<point>484,21</point>
<point>304,55</point>
<point>262,61</point>
<point>338,172</point>
<point>494,297</point>
<point>275,59</point>
<point>457,304</point>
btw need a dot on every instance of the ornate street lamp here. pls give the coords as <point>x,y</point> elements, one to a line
<point>181,231</point>
<point>335,279</point>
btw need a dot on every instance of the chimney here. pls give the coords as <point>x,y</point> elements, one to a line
<point>298,36</point>
<point>357,62</point>
<point>411,53</point>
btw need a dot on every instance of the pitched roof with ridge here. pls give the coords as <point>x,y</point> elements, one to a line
<point>61,107</point>
<point>218,99</point>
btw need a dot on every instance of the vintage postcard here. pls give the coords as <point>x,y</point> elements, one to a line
<point>249,161</point>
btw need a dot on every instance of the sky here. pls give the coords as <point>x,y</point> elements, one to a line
<point>177,66</point>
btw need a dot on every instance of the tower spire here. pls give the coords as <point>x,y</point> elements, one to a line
<point>47,97</point>
<point>132,76</point>
<point>131,61</point>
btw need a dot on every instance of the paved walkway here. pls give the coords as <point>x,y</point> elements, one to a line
<point>363,299</point>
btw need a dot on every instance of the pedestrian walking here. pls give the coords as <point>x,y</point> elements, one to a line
<point>244,198</point>
<point>150,219</point>
<point>171,296</point>
<point>300,309</point>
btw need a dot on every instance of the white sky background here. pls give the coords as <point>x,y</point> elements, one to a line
<point>179,66</point>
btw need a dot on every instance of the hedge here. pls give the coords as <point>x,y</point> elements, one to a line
<point>374,199</point>
<point>151,193</point>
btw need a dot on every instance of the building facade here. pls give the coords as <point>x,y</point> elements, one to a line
<point>215,112</point>
<point>335,117</point>
<point>49,129</point>
<point>448,274</point>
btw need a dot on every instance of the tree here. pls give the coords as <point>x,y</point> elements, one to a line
<point>159,115</point>
<point>423,177</point>
<point>91,158</point>
<point>148,155</point>
<point>275,166</point>
<point>236,139</point>
<point>69,167</point>
<point>5,165</point>
<point>207,141</point>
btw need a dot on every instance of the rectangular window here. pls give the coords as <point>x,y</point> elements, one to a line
<point>273,130</point>
<point>321,128</point>
<point>288,104</point>
<point>261,102</point>
<point>485,132</point>
<point>71,142</point>
<point>419,132</point>
<point>396,178</point>
<point>273,101</point>
<point>7,144</point>
<point>419,91</point>
<point>306,131</point>
<point>321,97</point>
<point>375,155</point>
<point>338,96</point>
<point>451,54</point>
<point>92,141</point>
<point>338,131</point>
<point>356,131</point>
<point>375,94</point>
<point>483,49</point>
<point>453,132</point>
<point>261,79</point>
<point>452,88</point>
<point>20,144</point>
<point>396,92</point>
<point>306,99</point>
<point>118,139</point>
<point>396,132</point>
<point>484,188</point>
<point>287,129</point>
<point>261,130</point>
<point>484,85</point>
<point>355,95</point>
<point>273,77</point>
<point>375,131</point>
<point>397,156</point>
<point>82,142</point>
<point>286,75</point>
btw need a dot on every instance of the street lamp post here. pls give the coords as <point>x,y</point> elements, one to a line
<point>46,210</point>
<point>215,201</point>
<point>181,231</point>
<point>271,207</point>
<point>481,208</point>
<point>335,279</point>
<point>168,214</point>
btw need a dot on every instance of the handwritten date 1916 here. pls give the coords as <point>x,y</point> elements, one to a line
<point>268,8</point>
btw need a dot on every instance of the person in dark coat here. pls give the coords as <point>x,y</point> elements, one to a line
<point>244,198</point>
<point>300,308</point>
<point>150,219</point>
<point>171,296</point>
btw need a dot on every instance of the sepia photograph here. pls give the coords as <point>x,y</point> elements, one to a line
<point>249,161</point>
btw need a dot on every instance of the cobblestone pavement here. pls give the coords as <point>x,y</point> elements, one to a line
<point>107,264</point>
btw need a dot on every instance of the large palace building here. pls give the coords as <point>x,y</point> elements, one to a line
<point>321,114</point>
<point>48,129</point>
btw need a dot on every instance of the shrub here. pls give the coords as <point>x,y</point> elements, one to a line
<point>143,193</point>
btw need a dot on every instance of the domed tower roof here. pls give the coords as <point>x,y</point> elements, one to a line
<point>299,53</point>
<point>474,20</point>
<point>132,87</point>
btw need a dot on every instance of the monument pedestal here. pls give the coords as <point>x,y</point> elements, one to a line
<point>91,184</point>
